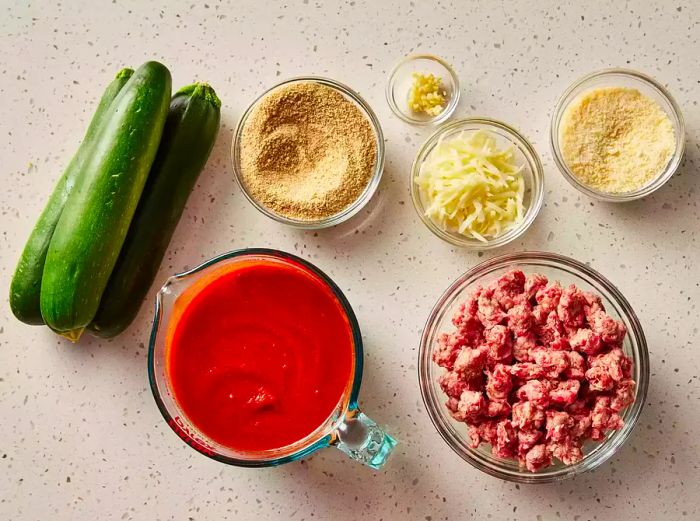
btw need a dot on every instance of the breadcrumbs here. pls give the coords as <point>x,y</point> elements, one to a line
<point>307,152</point>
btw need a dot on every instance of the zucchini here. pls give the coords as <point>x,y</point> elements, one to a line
<point>96,217</point>
<point>26,282</point>
<point>188,137</point>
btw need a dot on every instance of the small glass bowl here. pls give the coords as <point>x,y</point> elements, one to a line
<point>364,197</point>
<point>619,78</point>
<point>525,154</point>
<point>566,271</point>
<point>401,79</point>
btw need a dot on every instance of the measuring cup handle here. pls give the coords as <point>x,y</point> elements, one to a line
<point>363,440</point>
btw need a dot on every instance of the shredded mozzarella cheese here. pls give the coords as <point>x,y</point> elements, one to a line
<point>470,186</point>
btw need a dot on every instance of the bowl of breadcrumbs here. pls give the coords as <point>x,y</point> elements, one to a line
<point>309,152</point>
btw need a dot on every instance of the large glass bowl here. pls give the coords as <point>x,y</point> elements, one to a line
<point>619,78</point>
<point>566,271</point>
<point>525,155</point>
<point>358,203</point>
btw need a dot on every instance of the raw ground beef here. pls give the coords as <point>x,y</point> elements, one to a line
<point>535,369</point>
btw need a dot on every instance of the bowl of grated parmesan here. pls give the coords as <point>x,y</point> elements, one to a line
<point>617,135</point>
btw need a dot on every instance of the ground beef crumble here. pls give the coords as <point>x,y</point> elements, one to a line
<point>535,370</point>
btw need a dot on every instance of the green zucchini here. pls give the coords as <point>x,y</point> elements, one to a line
<point>188,137</point>
<point>96,217</point>
<point>26,282</point>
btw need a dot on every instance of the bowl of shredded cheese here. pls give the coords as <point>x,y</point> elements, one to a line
<point>423,90</point>
<point>477,183</point>
<point>617,135</point>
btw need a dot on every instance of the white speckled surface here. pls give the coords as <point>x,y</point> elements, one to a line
<point>82,437</point>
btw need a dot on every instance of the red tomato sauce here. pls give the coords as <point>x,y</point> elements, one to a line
<point>259,354</point>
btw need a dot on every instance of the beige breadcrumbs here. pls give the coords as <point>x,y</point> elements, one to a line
<point>307,152</point>
<point>616,139</point>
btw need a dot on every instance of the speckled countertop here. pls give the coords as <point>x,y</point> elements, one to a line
<point>82,437</point>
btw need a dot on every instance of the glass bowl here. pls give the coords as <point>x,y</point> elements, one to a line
<point>555,267</point>
<point>619,78</point>
<point>525,155</point>
<point>399,85</point>
<point>364,197</point>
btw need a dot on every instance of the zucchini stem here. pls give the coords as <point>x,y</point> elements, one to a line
<point>202,90</point>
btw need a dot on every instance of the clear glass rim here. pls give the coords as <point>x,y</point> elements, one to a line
<point>451,105</point>
<point>537,195</point>
<point>364,197</point>
<point>319,438</point>
<point>433,405</point>
<point>566,98</point>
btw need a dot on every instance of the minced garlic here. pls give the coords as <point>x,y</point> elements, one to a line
<point>615,139</point>
<point>427,94</point>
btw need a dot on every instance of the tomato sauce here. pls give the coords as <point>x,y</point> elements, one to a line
<point>259,354</point>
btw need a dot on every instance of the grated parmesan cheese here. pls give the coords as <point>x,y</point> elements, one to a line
<point>616,139</point>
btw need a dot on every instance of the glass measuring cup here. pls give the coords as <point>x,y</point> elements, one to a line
<point>347,428</point>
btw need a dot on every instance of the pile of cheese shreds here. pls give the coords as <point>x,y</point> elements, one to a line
<point>470,186</point>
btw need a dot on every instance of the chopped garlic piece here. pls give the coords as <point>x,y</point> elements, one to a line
<point>427,94</point>
<point>471,187</point>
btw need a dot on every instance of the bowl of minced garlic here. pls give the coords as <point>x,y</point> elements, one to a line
<point>309,152</point>
<point>617,135</point>
<point>422,90</point>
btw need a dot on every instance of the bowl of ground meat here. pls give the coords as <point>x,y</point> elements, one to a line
<point>533,367</point>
